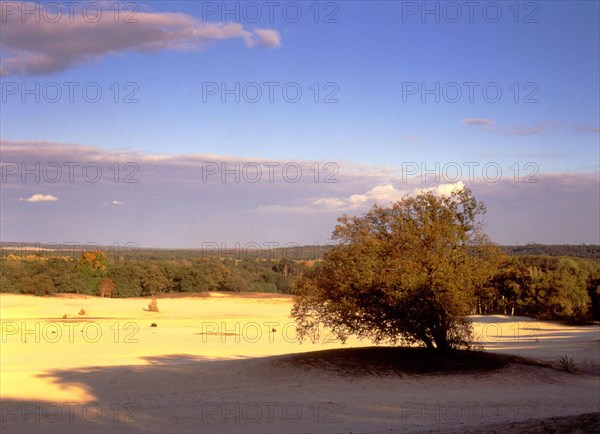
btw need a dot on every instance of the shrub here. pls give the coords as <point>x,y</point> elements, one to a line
<point>153,306</point>
<point>82,312</point>
<point>153,325</point>
<point>567,364</point>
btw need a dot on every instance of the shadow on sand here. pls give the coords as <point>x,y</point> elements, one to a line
<point>185,393</point>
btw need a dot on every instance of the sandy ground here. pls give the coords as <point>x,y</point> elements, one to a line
<point>211,365</point>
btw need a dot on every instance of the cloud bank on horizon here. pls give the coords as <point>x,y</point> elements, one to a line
<point>187,200</point>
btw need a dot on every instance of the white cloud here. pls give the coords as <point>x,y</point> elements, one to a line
<point>445,189</point>
<point>40,198</point>
<point>116,202</point>
<point>384,195</point>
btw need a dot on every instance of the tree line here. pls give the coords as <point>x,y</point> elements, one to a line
<point>268,251</point>
<point>83,275</point>
<point>591,251</point>
<point>545,287</point>
<point>542,286</point>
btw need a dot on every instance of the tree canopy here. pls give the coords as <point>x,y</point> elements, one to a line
<point>407,273</point>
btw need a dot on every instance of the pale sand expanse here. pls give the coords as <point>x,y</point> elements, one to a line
<point>209,366</point>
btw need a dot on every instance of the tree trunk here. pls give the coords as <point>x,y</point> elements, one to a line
<point>428,342</point>
<point>441,343</point>
<point>441,339</point>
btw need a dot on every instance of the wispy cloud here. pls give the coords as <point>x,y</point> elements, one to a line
<point>266,38</point>
<point>516,130</point>
<point>330,202</point>
<point>587,129</point>
<point>527,130</point>
<point>485,123</point>
<point>116,202</point>
<point>40,198</point>
<point>45,47</point>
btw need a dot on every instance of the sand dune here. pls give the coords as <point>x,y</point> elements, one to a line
<point>218,364</point>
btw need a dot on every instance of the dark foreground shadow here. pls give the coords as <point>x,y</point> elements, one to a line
<point>184,393</point>
<point>128,399</point>
<point>582,424</point>
<point>401,361</point>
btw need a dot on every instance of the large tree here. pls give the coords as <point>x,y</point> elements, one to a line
<point>406,274</point>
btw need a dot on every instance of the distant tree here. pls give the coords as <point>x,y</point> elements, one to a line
<point>236,281</point>
<point>11,273</point>
<point>513,284</point>
<point>94,262</point>
<point>262,287</point>
<point>283,284</point>
<point>200,276</point>
<point>106,287</point>
<point>92,266</point>
<point>39,284</point>
<point>564,293</point>
<point>403,274</point>
<point>127,278</point>
<point>153,281</point>
<point>66,277</point>
<point>6,285</point>
<point>285,267</point>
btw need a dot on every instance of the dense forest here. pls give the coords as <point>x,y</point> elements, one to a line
<point>549,286</point>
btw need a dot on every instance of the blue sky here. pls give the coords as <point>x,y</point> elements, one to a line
<point>547,115</point>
